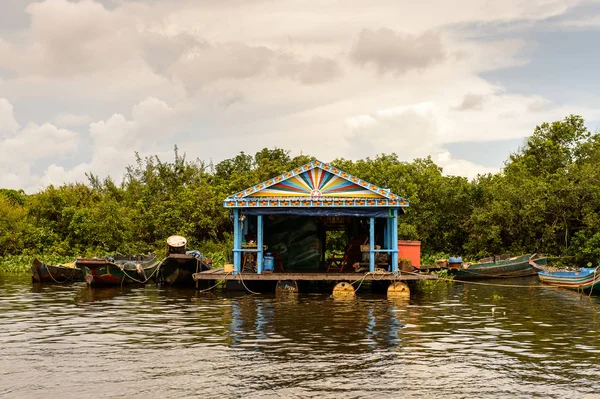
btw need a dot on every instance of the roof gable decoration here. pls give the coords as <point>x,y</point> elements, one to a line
<point>315,184</point>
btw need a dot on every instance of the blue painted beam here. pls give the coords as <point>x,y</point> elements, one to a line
<point>390,237</point>
<point>237,242</point>
<point>372,245</point>
<point>259,243</point>
<point>395,241</point>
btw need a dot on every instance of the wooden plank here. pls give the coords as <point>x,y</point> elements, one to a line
<point>220,275</point>
<point>215,271</point>
<point>181,256</point>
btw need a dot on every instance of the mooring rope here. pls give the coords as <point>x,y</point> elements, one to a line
<point>217,283</point>
<point>244,284</point>
<point>361,281</point>
<point>133,278</point>
<point>68,278</point>
<point>484,276</point>
<point>487,284</point>
<point>197,265</point>
<point>593,281</point>
<point>377,271</point>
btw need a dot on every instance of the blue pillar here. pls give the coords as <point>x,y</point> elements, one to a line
<point>395,241</point>
<point>388,240</point>
<point>372,245</point>
<point>259,244</point>
<point>388,243</point>
<point>237,235</point>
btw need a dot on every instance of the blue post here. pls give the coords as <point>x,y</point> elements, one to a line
<point>237,255</point>
<point>395,242</point>
<point>388,241</point>
<point>372,245</point>
<point>259,244</point>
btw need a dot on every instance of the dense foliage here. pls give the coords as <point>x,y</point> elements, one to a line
<point>546,199</point>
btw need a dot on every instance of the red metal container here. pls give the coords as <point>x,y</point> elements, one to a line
<point>410,250</point>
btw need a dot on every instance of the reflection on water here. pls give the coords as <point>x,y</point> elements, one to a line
<point>466,341</point>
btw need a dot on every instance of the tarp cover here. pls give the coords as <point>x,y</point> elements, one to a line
<point>356,212</point>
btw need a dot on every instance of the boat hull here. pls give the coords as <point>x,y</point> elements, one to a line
<point>510,268</point>
<point>43,273</point>
<point>587,279</point>
<point>177,269</point>
<point>130,270</point>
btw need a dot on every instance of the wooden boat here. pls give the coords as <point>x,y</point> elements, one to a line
<point>118,270</point>
<point>499,267</point>
<point>179,265</point>
<point>44,273</point>
<point>585,279</point>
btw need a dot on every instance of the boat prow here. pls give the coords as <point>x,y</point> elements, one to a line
<point>60,274</point>
<point>585,279</point>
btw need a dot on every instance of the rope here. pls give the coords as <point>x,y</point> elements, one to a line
<point>361,281</point>
<point>494,276</point>
<point>495,285</point>
<point>593,281</point>
<point>487,284</point>
<point>377,271</point>
<point>133,278</point>
<point>244,284</point>
<point>69,278</point>
<point>197,272</point>
<point>217,283</point>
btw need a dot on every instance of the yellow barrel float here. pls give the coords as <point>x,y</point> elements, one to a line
<point>398,289</point>
<point>343,290</point>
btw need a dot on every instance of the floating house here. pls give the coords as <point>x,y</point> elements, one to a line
<point>281,228</point>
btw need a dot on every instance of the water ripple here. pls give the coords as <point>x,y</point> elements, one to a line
<point>149,342</point>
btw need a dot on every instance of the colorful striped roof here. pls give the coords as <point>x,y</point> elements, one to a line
<point>315,184</point>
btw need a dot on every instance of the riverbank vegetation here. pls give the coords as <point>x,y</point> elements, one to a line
<point>546,199</point>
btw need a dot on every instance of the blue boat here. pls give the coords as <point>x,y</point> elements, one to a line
<point>585,279</point>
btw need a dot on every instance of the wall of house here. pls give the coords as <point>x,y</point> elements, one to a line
<point>296,240</point>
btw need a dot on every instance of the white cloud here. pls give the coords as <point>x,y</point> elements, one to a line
<point>116,139</point>
<point>8,124</point>
<point>151,120</point>
<point>582,23</point>
<point>36,142</point>
<point>459,167</point>
<point>205,64</point>
<point>69,120</point>
<point>388,50</point>
<point>11,179</point>
<point>68,38</point>
<point>472,101</point>
<point>217,79</point>
<point>32,144</point>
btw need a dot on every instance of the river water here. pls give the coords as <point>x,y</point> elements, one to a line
<point>462,341</point>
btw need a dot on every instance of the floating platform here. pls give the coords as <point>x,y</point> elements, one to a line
<point>220,274</point>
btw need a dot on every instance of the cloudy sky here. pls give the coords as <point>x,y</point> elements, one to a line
<point>85,84</point>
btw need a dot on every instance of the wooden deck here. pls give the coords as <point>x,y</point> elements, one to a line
<point>219,274</point>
